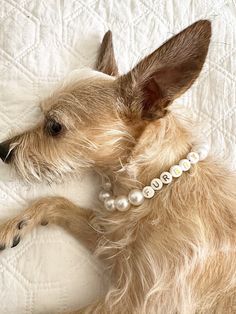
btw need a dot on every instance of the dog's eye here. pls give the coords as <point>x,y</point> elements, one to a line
<point>54,128</point>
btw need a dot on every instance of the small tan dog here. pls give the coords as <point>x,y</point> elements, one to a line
<point>175,252</point>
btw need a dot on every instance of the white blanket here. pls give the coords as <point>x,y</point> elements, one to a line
<point>40,42</point>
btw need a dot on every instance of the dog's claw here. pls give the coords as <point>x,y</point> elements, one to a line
<point>44,223</point>
<point>16,241</point>
<point>21,224</point>
<point>2,247</point>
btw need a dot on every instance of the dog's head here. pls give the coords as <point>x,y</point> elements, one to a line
<point>96,120</point>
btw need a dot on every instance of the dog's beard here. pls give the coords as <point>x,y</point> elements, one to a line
<point>32,170</point>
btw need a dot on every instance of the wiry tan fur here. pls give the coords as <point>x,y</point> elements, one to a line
<point>176,252</point>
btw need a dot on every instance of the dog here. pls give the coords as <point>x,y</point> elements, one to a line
<point>172,252</point>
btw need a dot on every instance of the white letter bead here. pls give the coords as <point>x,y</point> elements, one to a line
<point>176,171</point>
<point>193,157</point>
<point>166,177</point>
<point>136,197</point>
<point>185,164</point>
<point>110,204</point>
<point>148,192</point>
<point>156,184</point>
<point>122,203</point>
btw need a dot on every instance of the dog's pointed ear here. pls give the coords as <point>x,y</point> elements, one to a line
<point>106,61</point>
<point>166,73</point>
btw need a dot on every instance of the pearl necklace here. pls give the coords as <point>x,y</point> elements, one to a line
<point>136,197</point>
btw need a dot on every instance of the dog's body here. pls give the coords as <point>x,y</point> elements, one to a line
<point>175,253</point>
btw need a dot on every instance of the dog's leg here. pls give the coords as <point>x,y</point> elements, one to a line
<point>56,210</point>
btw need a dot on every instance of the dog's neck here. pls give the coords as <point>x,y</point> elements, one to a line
<point>163,144</point>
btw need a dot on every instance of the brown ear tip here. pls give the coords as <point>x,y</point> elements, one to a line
<point>204,25</point>
<point>204,22</point>
<point>108,34</point>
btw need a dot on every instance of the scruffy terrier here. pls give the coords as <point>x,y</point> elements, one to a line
<point>169,246</point>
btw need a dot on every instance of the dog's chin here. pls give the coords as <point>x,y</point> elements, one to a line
<point>49,176</point>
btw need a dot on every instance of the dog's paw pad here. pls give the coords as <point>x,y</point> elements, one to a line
<point>16,241</point>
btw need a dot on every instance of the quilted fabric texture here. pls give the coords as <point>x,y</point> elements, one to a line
<point>40,42</point>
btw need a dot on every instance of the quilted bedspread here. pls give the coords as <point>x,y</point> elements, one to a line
<point>41,41</point>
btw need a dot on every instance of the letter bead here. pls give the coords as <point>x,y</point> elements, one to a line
<point>185,164</point>
<point>166,177</point>
<point>148,192</point>
<point>176,171</point>
<point>193,157</point>
<point>156,184</point>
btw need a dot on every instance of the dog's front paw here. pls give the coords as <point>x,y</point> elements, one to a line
<point>10,233</point>
<point>14,229</point>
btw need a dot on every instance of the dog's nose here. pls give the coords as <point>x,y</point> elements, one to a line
<point>5,152</point>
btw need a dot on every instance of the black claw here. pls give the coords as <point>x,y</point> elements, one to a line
<point>44,223</point>
<point>2,247</point>
<point>21,224</point>
<point>16,241</point>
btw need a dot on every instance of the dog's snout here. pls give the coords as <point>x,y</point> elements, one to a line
<point>5,151</point>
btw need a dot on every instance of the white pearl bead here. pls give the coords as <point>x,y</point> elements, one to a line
<point>176,171</point>
<point>156,184</point>
<point>193,157</point>
<point>185,164</point>
<point>107,186</point>
<point>103,195</point>
<point>148,192</point>
<point>122,203</point>
<point>202,149</point>
<point>136,197</point>
<point>166,177</point>
<point>110,204</point>
<point>202,152</point>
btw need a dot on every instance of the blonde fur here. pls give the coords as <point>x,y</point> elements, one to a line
<point>176,252</point>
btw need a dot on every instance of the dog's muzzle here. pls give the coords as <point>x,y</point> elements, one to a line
<point>5,152</point>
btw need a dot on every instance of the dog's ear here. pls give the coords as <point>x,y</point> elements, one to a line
<point>166,73</point>
<point>106,62</point>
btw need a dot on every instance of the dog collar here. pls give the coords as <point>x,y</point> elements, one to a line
<point>136,197</point>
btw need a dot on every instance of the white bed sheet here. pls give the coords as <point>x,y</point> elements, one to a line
<point>40,42</point>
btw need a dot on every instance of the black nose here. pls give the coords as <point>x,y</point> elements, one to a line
<point>5,152</point>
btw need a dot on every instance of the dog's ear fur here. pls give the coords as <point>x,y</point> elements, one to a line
<point>106,61</point>
<point>166,73</point>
